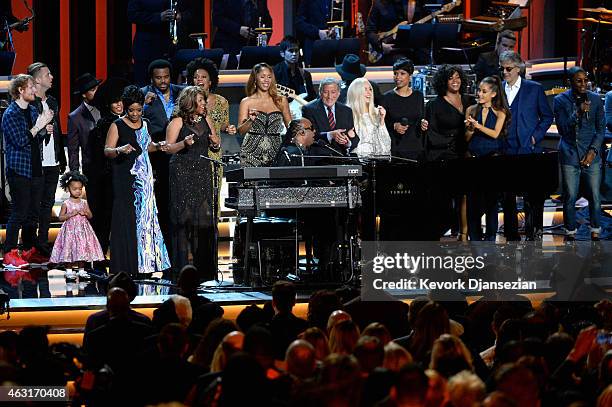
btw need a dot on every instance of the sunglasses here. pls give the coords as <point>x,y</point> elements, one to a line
<point>507,68</point>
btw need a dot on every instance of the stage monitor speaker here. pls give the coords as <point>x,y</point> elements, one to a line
<point>184,56</point>
<point>251,56</point>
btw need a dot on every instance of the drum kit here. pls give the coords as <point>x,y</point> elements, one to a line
<point>599,19</point>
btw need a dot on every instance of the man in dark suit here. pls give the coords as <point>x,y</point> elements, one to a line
<point>285,326</point>
<point>160,99</point>
<point>152,39</point>
<point>81,122</point>
<point>333,120</point>
<point>234,23</point>
<point>531,118</point>
<point>488,62</point>
<point>311,23</point>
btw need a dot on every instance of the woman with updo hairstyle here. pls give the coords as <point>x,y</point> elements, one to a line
<point>190,135</point>
<point>343,337</point>
<point>137,245</point>
<point>263,116</point>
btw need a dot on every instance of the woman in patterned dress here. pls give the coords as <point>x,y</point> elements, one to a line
<point>262,115</point>
<point>137,245</point>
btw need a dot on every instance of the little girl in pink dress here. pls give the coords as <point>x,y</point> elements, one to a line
<point>76,242</point>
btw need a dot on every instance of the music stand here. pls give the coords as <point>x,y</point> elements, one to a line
<point>427,36</point>
<point>327,53</point>
<point>249,56</point>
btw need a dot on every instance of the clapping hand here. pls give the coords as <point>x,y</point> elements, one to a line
<point>189,140</point>
<point>149,98</point>
<point>424,124</point>
<point>471,123</point>
<point>340,136</point>
<point>230,129</point>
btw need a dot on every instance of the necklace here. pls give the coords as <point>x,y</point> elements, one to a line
<point>197,119</point>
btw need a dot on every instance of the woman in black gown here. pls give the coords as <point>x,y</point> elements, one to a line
<point>446,133</point>
<point>137,245</point>
<point>190,135</point>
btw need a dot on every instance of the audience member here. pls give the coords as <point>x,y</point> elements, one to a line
<point>370,354</point>
<point>301,359</point>
<point>285,326</point>
<point>466,389</point>
<point>396,357</point>
<point>343,337</point>
<point>317,338</point>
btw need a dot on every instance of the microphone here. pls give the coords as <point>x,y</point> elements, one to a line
<point>404,121</point>
<point>322,143</point>
<point>287,155</point>
<point>580,99</point>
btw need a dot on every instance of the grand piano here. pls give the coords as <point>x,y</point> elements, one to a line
<point>395,199</point>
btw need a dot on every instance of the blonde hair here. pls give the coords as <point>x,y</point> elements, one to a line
<point>357,102</point>
<point>449,346</point>
<point>466,389</point>
<point>183,310</point>
<point>343,337</point>
<point>251,85</point>
<point>396,357</point>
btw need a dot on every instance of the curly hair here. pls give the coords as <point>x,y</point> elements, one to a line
<point>443,75</point>
<point>132,94</point>
<point>207,65</point>
<point>19,82</point>
<point>71,176</point>
<point>251,86</point>
<point>186,103</point>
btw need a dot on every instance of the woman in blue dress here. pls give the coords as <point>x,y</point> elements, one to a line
<point>137,245</point>
<point>486,124</point>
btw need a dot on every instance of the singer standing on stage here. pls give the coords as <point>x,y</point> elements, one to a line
<point>190,135</point>
<point>369,120</point>
<point>580,120</point>
<point>332,119</point>
<point>405,114</point>
<point>262,115</point>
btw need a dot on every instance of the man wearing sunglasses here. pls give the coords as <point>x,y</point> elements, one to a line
<point>531,118</point>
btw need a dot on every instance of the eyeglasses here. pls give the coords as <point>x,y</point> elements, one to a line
<point>507,68</point>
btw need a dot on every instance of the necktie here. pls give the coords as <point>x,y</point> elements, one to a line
<point>331,119</point>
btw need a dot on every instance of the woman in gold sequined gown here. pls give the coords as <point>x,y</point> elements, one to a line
<point>262,115</point>
<point>191,134</point>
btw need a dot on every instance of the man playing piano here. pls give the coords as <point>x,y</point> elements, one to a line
<point>303,151</point>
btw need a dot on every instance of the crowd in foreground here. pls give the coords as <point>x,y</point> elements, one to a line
<point>499,351</point>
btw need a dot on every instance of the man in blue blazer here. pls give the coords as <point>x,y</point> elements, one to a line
<point>160,100</point>
<point>531,118</point>
<point>579,115</point>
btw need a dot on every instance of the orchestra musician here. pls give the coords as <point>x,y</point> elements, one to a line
<point>288,73</point>
<point>311,22</point>
<point>234,23</point>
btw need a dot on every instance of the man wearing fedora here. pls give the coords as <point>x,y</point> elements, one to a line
<point>81,122</point>
<point>351,69</point>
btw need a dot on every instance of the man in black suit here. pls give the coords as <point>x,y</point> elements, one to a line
<point>488,62</point>
<point>152,39</point>
<point>333,120</point>
<point>234,23</point>
<point>81,122</point>
<point>160,99</point>
<point>302,151</point>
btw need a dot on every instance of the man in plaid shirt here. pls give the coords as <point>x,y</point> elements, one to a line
<point>21,125</point>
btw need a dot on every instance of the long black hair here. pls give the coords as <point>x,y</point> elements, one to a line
<point>71,176</point>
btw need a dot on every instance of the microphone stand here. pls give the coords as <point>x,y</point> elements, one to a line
<point>215,219</point>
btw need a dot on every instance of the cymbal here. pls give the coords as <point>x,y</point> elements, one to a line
<point>599,10</point>
<point>591,20</point>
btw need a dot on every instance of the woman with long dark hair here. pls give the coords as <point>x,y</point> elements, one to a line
<point>261,117</point>
<point>486,124</point>
<point>191,134</point>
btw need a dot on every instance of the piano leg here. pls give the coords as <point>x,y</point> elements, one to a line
<point>246,272</point>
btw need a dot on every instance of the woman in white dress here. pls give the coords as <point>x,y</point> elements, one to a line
<point>369,120</point>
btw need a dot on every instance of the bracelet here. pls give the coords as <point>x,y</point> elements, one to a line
<point>117,151</point>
